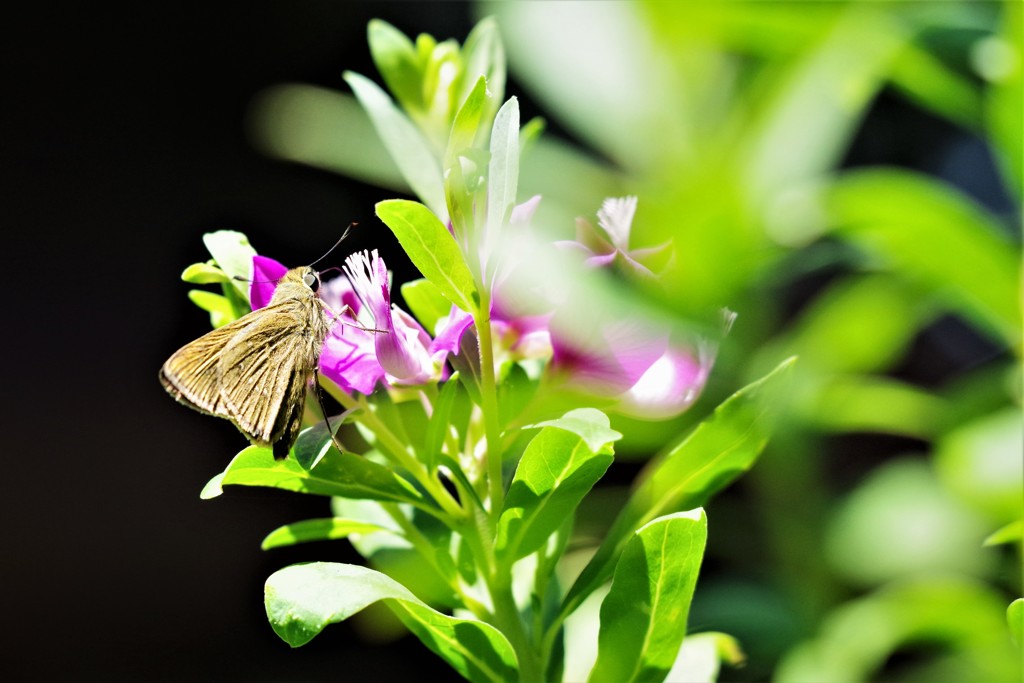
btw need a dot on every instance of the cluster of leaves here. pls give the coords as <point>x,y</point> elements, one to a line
<point>461,502</point>
<point>732,121</point>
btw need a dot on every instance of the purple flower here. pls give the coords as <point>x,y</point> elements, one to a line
<point>371,339</point>
<point>615,217</point>
<point>646,373</point>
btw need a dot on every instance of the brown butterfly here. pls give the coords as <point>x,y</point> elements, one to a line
<point>255,370</point>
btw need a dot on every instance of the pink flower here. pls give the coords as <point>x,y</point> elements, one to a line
<point>615,217</point>
<point>371,340</point>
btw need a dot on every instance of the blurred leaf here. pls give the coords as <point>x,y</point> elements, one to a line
<point>717,451</point>
<point>556,471</point>
<point>701,655</point>
<point>484,55</point>
<point>608,62</point>
<point>324,129</point>
<point>963,617</point>
<point>999,59</point>
<point>330,528</point>
<point>860,324</point>
<point>432,249</point>
<point>302,599</point>
<point>1014,531</point>
<point>1015,619</point>
<point>813,112</point>
<point>338,474</point>
<point>426,302</point>
<point>980,463</point>
<point>397,62</point>
<point>934,236</point>
<point>874,404</point>
<point>404,143</point>
<point>929,82</point>
<point>643,617</point>
<point>900,523</point>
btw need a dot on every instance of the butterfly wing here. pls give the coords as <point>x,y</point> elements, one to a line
<point>263,373</point>
<point>191,375</point>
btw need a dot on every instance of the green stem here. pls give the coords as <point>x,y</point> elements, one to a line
<point>506,616</point>
<point>489,406</point>
<point>396,450</point>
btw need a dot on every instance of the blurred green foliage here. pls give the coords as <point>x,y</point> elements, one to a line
<point>733,123</point>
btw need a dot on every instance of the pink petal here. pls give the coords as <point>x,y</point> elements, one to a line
<point>266,272</point>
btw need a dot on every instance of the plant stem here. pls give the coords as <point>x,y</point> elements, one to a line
<point>394,448</point>
<point>489,406</point>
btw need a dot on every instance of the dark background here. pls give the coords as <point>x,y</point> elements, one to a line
<point>123,140</point>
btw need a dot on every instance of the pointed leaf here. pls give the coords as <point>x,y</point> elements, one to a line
<point>337,474</point>
<point>233,253</point>
<point>329,528</point>
<point>302,599</point>
<point>589,424</point>
<point>503,173</point>
<point>431,248</point>
<point>643,617</point>
<point>395,58</point>
<point>1015,618</point>
<point>927,232</point>
<point>426,302</point>
<point>404,143</point>
<point>720,449</point>
<point>557,469</point>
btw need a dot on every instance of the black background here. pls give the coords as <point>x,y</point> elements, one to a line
<point>123,140</point>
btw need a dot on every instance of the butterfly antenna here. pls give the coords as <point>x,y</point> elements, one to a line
<point>340,240</point>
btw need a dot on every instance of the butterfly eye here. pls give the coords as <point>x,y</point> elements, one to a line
<point>311,280</point>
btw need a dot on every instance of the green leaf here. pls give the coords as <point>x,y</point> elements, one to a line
<point>700,657</point>
<point>233,253</point>
<point>999,59</point>
<point>926,79</point>
<point>483,55</point>
<point>963,620</point>
<point>395,58</point>
<point>503,173</point>
<point>463,173</point>
<point>720,449</point>
<point>404,143</point>
<point>1014,531</point>
<point>815,107</point>
<point>302,599</point>
<point>466,127</point>
<point>1015,619</point>
<point>204,274</point>
<point>643,617</point>
<point>327,529</point>
<point>931,234</point>
<point>325,129</point>
<point>337,474</point>
<point>431,248</point>
<point>557,469</point>
<point>980,463</point>
<point>589,424</point>
<point>440,422</point>
<point>218,306</point>
<point>426,302</point>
